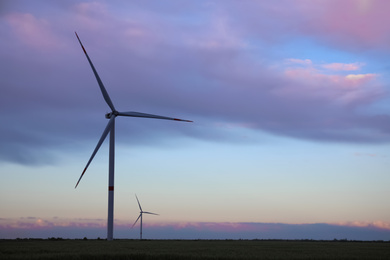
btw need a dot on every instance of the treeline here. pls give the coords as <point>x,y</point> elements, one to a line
<point>271,240</point>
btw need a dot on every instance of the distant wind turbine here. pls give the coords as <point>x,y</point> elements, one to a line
<point>111,128</point>
<point>140,217</point>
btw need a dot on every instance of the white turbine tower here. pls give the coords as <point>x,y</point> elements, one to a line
<point>140,216</point>
<point>111,128</point>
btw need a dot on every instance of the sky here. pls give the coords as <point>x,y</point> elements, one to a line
<point>289,98</point>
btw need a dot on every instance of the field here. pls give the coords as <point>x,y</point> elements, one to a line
<point>191,249</point>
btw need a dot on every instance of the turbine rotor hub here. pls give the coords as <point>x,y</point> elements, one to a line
<point>113,113</point>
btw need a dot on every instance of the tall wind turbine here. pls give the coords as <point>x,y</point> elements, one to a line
<point>140,217</point>
<point>110,128</point>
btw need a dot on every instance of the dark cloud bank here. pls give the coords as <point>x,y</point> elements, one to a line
<point>208,231</point>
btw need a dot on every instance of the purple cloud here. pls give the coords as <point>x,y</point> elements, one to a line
<point>93,228</point>
<point>199,61</point>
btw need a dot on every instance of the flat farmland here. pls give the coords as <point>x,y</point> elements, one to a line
<point>191,249</point>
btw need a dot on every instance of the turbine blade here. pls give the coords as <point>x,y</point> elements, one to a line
<point>138,114</point>
<point>138,202</point>
<point>136,221</point>
<point>102,88</point>
<point>151,213</point>
<point>104,135</point>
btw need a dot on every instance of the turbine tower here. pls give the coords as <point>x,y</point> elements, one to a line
<point>140,216</point>
<point>110,128</point>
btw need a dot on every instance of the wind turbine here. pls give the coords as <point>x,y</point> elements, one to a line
<point>140,216</point>
<point>110,128</point>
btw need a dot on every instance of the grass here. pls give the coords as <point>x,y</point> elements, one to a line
<point>191,249</point>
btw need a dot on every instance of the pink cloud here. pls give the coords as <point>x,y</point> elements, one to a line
<point>312,82</point>
<point>39,223</point>
<point>92,228</point>
<point>306,62</point>
<point>32,31</point>
<point>238,226</point>
<point>361,78</point>
<point>92,15</point>
<point>343,66</point>
<point>349,22</point>
<point>375,224</point>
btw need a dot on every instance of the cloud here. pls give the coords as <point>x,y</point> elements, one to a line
<point>214,65</point>
<point>370,155</point>
<point>306,62</point>
<point>343,66</point>
<point>360,77</point>
<point>217,36</point>
<point>374,224</point>
<point>92,228</point>
<point>354,89</point>
<point>350,24</point>
<point>32,31</point>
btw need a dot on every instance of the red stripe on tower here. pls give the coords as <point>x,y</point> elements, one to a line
<point>110,188</point>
